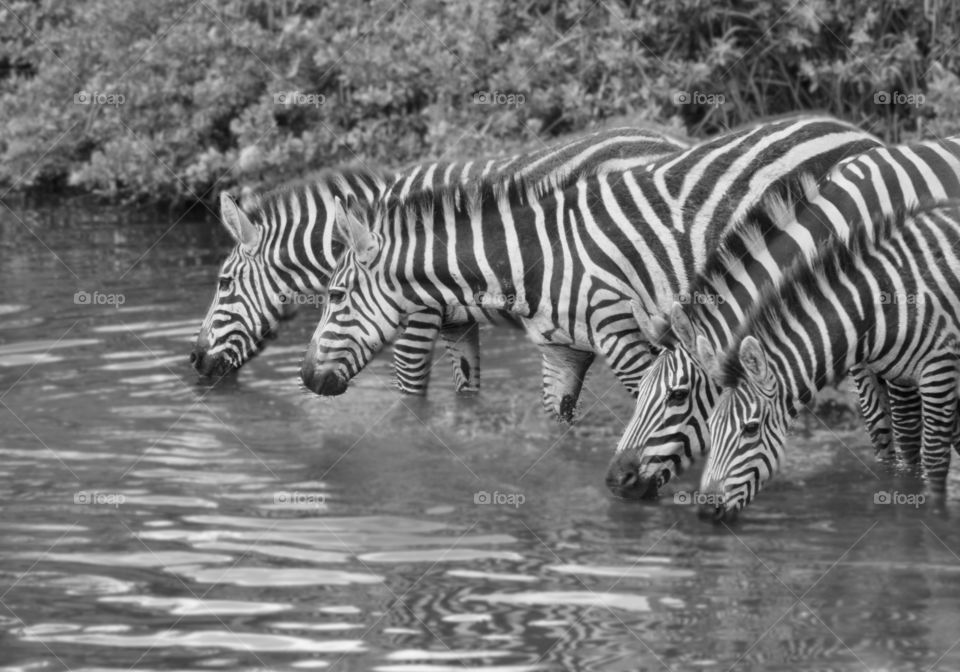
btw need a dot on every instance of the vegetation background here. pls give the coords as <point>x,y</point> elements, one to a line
<point>172,100</point>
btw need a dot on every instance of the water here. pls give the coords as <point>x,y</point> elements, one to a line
<point>149,522</point>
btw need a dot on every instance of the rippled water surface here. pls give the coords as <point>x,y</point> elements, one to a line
<point>150,522</point>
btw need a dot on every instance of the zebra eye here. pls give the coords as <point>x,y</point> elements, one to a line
<point>751,428</point>
<point>336,295</point>
<point>678,396</point>
<point>226,284</point>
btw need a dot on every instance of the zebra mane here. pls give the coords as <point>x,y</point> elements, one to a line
<point>773,214</point>
<point>510,176</point>
<point>801,279</point>
<point>256,206</point>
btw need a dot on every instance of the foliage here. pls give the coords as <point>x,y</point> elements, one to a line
<point>186,98</point>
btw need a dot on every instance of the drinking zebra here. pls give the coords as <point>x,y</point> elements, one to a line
<point>568,263</point>
<point>676,397</point>
<point>888,301</point>
<point>285,244</point>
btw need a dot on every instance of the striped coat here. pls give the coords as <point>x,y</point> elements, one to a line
<point>675,400</point>
<point>888,301</point>
<point>568,262</point>
<point>285,247</point>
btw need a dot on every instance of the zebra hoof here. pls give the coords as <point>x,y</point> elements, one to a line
<point>568,409</point>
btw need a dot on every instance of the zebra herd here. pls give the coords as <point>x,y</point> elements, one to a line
<point>724,283</point>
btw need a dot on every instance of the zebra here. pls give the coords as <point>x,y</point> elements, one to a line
<point>675,399</point>
<point>285,244</point>
<point>888,301</point>
<point>568,262</point>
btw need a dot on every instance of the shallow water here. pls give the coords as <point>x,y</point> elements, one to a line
<point>150,522</point>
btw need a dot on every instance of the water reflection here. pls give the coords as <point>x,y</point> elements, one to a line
<point>155,523</point>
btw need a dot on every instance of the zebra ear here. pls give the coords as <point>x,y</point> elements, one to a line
<point>708,356</point>
<point>354,234</point>
<point>754,361</point>
<point>653,327</point>
<point>237,223</point>
<point>683,327</point>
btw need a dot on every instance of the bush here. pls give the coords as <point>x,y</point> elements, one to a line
<point>184,99</point>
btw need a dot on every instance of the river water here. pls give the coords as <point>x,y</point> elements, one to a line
<point>150,522</point>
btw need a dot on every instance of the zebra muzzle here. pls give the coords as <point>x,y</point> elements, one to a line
<point>326,382</point>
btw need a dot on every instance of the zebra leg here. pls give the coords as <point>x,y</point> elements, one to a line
<point>938,394</point>
<point>564,369</point>
<point>462,342</point>
<point>875,408</point>
<point>413,352</point>
<point>906,411</point>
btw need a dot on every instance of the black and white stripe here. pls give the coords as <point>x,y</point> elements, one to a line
<point>674,401</point>
<point>889,301</point>
<point>286,245</point>
<point>570,262</point>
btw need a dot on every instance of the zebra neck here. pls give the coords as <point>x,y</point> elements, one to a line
<point>303,247</point>
<point>816,346</point>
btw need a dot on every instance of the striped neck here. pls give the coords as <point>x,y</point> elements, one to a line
<point>297,222</point>
<point>870,187</point>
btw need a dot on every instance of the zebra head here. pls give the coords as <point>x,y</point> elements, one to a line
<point>669,423</point>
<point>360,316</point>
<point>747,431</point>
<point>249,302</point>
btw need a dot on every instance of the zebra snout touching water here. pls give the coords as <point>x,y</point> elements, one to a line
<point>285,247</point>
<point>669,427</point>
<point>660,441</point>
<point>569,259</point>
<point>890,302</point>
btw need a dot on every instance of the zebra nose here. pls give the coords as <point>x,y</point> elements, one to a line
<point>713,509</point>
<point>625,480</point>
<point>323,381</point>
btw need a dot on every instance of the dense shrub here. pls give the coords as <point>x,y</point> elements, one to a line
<point>186,98</point>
